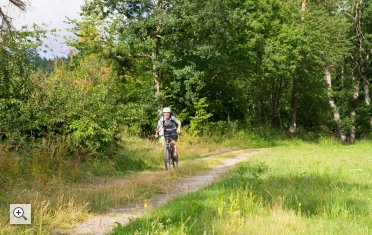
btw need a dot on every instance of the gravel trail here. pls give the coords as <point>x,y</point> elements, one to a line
<point>105,223</point>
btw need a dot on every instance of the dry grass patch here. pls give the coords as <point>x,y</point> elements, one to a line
<point>64,205</point>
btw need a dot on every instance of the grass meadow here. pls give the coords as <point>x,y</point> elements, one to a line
<point>135,174</point>
<point>300,188</point>
<point>305,183</point>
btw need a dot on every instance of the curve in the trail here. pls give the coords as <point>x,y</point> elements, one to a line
<point>105,223</point>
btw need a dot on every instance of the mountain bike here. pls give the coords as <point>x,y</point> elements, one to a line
<point>169,159</point>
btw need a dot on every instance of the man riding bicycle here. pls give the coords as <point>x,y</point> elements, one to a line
<point>170,126</point>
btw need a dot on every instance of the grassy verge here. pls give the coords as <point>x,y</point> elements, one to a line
<point>133,175</point>
<point>322,188</point>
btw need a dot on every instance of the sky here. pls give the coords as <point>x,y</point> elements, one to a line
<point>51,12</point>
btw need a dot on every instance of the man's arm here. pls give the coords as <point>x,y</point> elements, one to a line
<point>158,128</point>
<point>178,124</point>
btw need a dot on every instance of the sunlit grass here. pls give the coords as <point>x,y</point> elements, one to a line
<point>322,188</point>
<point>63,204</point>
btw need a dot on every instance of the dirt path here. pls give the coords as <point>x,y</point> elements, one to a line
<point>105,223</point>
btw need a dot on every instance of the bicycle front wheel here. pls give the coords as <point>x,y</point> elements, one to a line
<point>175,161</point>
<point>167,163</point>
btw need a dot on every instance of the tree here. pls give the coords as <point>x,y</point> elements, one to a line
<point>140,25</point>
<point>181,47</point>
<point>6,21</point>
<point>266,62</point>
<point>362,32</point>
<point>18,53</point>
<point>294,99</point>
<point>345,74</point>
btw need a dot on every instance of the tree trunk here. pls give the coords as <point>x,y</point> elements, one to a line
<point>353,107</point>
<point>303,9</point>
<point>294,99</point>
<point>262,101</point>
<point>294,102</point>
<point>362,55</point>
<point>275,100</point>
<point>367,99</point>
<point>366,92</point>
<point>336,113</point>
<point>156,73</point>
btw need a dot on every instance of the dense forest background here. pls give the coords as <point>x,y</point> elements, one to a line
<point>294,66</point>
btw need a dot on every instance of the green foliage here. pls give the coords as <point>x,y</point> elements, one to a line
<point>245,57</point>
<point>76,103</point>
<point>216,60</point>
<point>228,69</point>
<point>199,122</point>
<point>17,54</point>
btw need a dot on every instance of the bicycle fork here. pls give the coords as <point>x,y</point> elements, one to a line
<point>168,156</point>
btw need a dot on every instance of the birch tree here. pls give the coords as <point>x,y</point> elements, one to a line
<point>358,9</point>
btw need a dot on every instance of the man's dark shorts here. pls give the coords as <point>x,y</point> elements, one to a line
<point>172,135</point>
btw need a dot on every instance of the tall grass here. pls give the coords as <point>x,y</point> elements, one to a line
<point>41,162</point>
<point>67,185</point>
<point>298,189</point>
<point>131,173</point>
<point>47,161</point>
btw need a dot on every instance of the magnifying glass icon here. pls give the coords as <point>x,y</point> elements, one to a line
<point>18,212</point>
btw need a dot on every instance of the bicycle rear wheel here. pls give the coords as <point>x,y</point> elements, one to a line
<point>167,163</point>
<point>172,159</point>
<point>175,160</point>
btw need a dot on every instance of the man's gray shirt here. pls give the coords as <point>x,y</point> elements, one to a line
<point>170,128</point>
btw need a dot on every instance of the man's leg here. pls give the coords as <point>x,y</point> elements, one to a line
<point>175,153</point>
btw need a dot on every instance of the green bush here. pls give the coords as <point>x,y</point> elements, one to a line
<point>68,104</point>
<point>199,121</point>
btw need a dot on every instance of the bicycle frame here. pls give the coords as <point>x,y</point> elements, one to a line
<point>168,153</point>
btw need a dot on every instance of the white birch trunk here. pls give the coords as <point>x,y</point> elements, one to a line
<point>353,107</point>
<point>332,103</point>
<point>362,55</point>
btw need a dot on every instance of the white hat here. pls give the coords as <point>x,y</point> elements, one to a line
<point>166,110</point>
